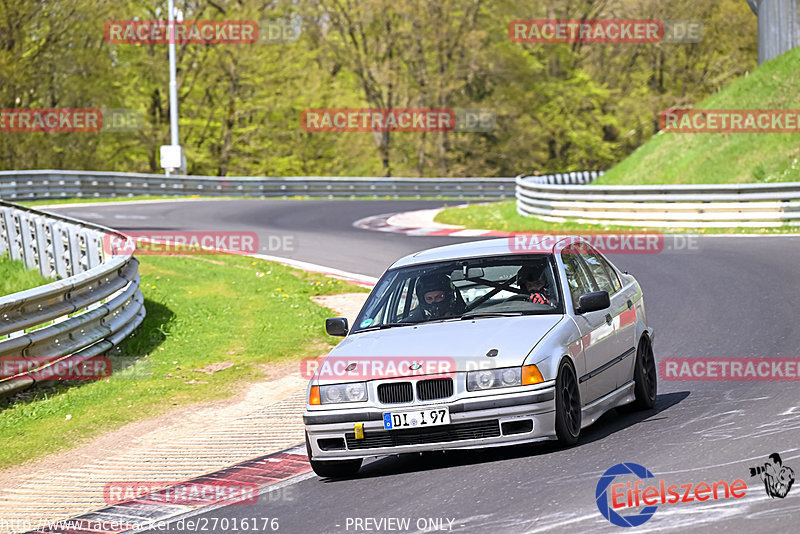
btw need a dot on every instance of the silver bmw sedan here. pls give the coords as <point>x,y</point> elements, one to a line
<point>481,344</point>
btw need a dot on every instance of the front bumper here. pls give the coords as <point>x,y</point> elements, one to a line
<point>483,421</point>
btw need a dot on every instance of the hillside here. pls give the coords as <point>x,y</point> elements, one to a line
<point>692,158</point>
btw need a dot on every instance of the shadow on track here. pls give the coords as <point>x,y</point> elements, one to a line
<point>610,423</point>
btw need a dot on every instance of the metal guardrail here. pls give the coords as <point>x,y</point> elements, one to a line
<point>686,206</point>
<point>53,184</point>
<point>574,178</point>
<point>33,185</point>
<point>93,306</point>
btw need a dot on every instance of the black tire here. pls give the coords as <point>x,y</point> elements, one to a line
<point>645,379</point>
<point>333,468</point>
<point>568,405</point>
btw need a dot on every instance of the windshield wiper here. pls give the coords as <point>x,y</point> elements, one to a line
<point>382,326</point>
<point>490,314</point>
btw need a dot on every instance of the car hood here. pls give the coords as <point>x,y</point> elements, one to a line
<point>461,345</point>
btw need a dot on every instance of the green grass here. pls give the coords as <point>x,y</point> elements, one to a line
<point>14,277</point>
<point>201,311</point>
<point>706,158</point>
<point>503,216</point>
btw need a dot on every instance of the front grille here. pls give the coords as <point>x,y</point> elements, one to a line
<point>395,393</point>
<point>438,388</point>
<point>418,436</point>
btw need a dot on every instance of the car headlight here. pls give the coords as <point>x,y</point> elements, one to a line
<point>336,393</point>
<point>503,378</point>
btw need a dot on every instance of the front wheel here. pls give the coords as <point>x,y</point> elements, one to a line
<point>645,381</point>
<point>333,468</point>
<point>568,405</point>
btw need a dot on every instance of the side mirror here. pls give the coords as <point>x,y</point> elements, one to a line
<point>337,326</point>
<point>589,302</point>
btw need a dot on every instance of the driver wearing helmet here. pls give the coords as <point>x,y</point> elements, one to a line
<point>529,280</point>
<point>438,298</point>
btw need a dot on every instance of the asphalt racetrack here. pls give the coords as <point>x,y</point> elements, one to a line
<point>732,296</point>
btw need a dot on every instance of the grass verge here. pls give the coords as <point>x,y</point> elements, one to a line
<point>503,216</point>
<point>212,324</point>
<point>15,277</point>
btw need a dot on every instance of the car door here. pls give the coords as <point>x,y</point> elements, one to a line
<point>622,312</point>
<point>597,331</point>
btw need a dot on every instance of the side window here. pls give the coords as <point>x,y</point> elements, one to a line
<point>612,273</point>
<point>412,296</point>
<point>578,277</point>
<point>599,269</point>
<point>401,301</point>
<point>404,300</point>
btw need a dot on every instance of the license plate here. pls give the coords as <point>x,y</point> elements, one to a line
<point>416,418</point>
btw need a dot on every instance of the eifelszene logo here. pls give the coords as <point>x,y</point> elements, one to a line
<point>777,478</point>
<point>613,496</point>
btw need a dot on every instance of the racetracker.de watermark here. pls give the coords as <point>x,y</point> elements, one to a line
<point>607,243</point>
<point>169,243</point>
<point>59,120</point>
<point>588,31</point>
<point>375,367</point>
<point>51,368</point>
<point>730,120</point>
<point>187,32</point>
<point>351,368</point>
<point>275,31</point>
<point>181,493</point>
<point>730,368</point>
<point>457,120</point>
<point>378,120</point>
<point>123,524</point>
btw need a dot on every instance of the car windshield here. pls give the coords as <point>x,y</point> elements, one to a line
<point>462,289</point>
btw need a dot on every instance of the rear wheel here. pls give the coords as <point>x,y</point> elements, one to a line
<point>568,405</point>
<point>645,380</point>
<point>333,468</point>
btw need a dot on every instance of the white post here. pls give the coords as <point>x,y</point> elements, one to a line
<point>173,82</point>
<point>172,158</point>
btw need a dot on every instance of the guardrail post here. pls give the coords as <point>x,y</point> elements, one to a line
<point>3,233</point>
<point>74,245</point>
<point>42,252</point>
<point>59,249</point>
<point>11,232</point>
<point>93,256</point>
<point>26,240</point>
